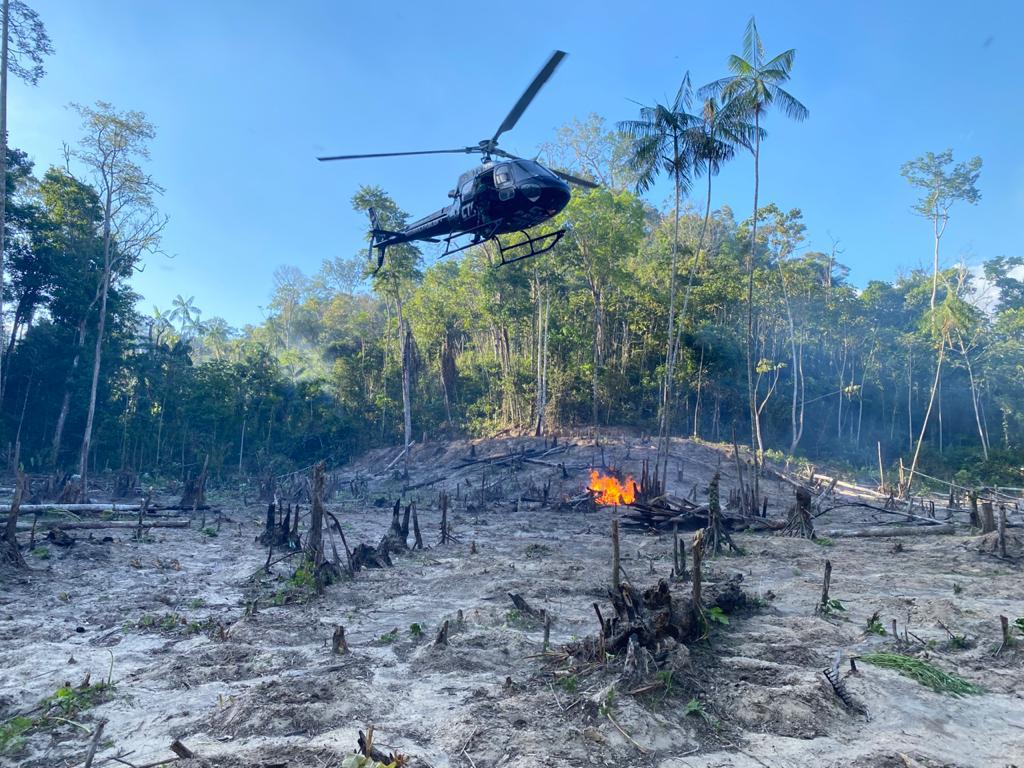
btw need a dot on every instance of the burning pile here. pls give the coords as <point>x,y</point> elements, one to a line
<point>609,490</point>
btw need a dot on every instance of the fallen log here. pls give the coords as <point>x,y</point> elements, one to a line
<point>56,507</point>
<point>102,524</point>
<point>879,532</point>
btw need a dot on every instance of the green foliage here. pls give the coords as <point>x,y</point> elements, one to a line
<point>833,605</point>
<point>874,625</point>
<point>924,673</point>
<point>43,553</point>
<point>570,683</point>
<point>824,541</point>
<point>12,733</point>
<point>416,630</point>
<point>304,578</point>
<point>70,700</point>
<point>1018,624</point>
<point>388,637</point>
<point>694,707</point>
<point>209,532</point>
<point>717,615</point>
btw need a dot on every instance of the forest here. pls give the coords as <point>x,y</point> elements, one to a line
<point>791,494</point>
<point>685,320</point>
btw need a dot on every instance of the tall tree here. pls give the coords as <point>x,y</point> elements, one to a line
<point>942,186</point>
<point>753,87</point>
<point>112,149</point>
<point>24,44</point>
<point>395,281</point>
<point>662,142</point>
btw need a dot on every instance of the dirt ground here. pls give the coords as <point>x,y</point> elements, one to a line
<point>168,621</point>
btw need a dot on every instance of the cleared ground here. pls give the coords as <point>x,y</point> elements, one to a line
<point>166,620</point>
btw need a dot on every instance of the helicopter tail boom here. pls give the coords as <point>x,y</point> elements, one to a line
<point>379,239</point>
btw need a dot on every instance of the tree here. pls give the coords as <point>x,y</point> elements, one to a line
<point>395,281</point>
<point>112,147</point>
<point>942,187</point>
<point>754,86</point>
<point>662,141</point>
<point>24,44</point>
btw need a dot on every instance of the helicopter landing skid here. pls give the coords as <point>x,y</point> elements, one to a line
<point>537,245</point>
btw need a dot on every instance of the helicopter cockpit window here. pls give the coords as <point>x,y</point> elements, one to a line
<point>502,176</point>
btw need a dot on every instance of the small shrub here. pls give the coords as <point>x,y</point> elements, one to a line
<point>415,629</point>
<point>874,626</point>
<point>208,531</point>
<point>389,637</point>
<point>824,541</point>
<point>570,683</point>
<point>717,615</point>
<point>12,733</point>
<point>43,553</point>
<point>694,707</point>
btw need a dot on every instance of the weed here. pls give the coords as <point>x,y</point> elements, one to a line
<point>874,625</point>
<point>606,706</point>
<point>1019,624</point>
<point>43,553</point>
<point>514,617</point>
<point>304,577</point>
<point>196,603</point>
<point>824,541</point>
<point>718,616</point>
<point>665,678</point>
<point>924,673</point>
<point>833,606</point>
<point>71,701</point>
<point>208,531</point>
<point>415,629</point>
<point>389,637</point>
<point>694,707</point>
<point>570,683</point>
<point>957,588</point>
<point>12,733</point>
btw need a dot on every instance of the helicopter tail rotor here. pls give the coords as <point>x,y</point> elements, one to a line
<point>379,239</point>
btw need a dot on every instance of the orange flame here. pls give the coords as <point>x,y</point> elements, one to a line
<point>610,490</point>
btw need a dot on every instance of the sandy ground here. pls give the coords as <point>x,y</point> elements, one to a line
<point>265,690</point>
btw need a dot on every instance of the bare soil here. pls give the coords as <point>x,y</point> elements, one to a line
<point>169,621</point>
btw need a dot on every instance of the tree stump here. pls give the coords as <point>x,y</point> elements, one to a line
<point>338,642</point>
<point>800,523</point>
<point>717,536</point>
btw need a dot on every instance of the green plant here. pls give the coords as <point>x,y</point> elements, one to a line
<point>570,683</point>
<point>718,616</point>
<point>824,541</point>
<point>1019,624</point>
<point>874,625</point>
<point>923,673</point>
<point>514,617</point>
<point>71,700</point>
<point>957,588</point>
<point>664,676</point>
<point>208,531</point>
<point>304,577</point>
<point>43,553</point>
<point>609,701</point>
<point>196,602</point>
<point>833,605</point>
<point>389,637</point>
<point>694,707</point>
<point>415,629</point>
<point>12,733</point>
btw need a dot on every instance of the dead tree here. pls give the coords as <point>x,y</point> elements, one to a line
<point>717,536</point>
<point>416,529</point>
<point>9,551</point>
<point>824,606</point>
<point>800,523</point>
<point>326,571</point>
<point>194,493</point>
<point>988,518</point>
<point>397,536</point>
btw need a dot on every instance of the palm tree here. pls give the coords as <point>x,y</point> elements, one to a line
<point>185,312</point>
<point>661,141</point>
<point>713,140</point>
<point>754,86</point>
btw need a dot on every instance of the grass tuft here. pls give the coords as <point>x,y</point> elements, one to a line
<point>924,673</point>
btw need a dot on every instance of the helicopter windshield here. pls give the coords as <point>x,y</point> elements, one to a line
<point>526,169</point>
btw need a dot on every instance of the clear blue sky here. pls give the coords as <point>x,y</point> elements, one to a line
<point>244,95</point>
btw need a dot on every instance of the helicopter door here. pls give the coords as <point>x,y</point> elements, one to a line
<point>503,182</point>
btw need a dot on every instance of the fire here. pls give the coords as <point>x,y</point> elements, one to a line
<point>610,490</point>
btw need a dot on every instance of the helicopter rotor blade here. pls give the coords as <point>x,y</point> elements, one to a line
<point>530,93</point>
<point>464,150</point>
<point>574,179</point>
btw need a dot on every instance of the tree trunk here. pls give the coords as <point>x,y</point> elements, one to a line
<point>669,358</point>
<point>83,462</point>
<point>3,158</point>
<point>927,413</point>
<point>755,421</point>
<point>404,334</point>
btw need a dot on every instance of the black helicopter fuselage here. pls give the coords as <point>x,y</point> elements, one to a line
<point>494,199</point>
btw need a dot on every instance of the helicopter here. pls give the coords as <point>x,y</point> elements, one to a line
<point>504,195</point>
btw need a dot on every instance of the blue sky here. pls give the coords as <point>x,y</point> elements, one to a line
<point>245,95</point>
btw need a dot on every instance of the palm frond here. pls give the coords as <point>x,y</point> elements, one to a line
<point>783,61</point>
<point>740,66</point>
<point>788,103</point>
<point>684,95</point>
<point>753,50</point>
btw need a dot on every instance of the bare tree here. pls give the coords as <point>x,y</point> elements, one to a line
<point>111,149</point>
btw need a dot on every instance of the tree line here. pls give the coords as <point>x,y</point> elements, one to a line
<point>692,320</point>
